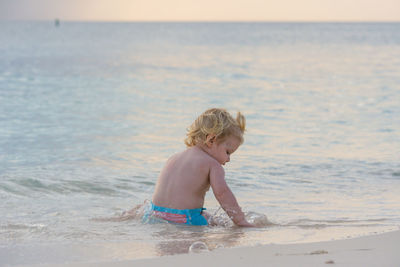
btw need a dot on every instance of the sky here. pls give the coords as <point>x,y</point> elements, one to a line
<point>201,10</point>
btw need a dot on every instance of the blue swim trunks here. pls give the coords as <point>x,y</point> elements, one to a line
<point>187,216</point>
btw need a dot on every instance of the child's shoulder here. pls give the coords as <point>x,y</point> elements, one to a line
<point>200,156</point>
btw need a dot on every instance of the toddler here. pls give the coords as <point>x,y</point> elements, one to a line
<point>187,176</point>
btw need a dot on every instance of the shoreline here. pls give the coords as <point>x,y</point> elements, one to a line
<point>372,250</point>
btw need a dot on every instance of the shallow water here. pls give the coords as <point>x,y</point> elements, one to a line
<point>89,112</point>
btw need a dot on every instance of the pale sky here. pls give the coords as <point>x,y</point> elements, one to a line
<point>201,10</point>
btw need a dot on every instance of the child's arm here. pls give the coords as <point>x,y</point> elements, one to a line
<point>225,196</point>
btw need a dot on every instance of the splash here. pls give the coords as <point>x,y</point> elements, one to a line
<point>143,213</point>
<point>136,213</point>
<point>258,219</point>
<point>220,218</point>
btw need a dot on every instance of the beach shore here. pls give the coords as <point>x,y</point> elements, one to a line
<point>374,250</point>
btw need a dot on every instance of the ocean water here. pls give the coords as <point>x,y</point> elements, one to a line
<point>90,112</point>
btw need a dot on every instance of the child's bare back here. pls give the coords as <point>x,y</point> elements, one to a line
<point>184,181</point>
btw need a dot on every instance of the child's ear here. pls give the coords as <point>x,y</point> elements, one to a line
<point>210,139</point>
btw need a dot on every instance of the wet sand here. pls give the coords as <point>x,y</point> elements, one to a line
<point>375,250</point>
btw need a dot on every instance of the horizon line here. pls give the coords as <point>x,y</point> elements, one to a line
<point>198,21</point>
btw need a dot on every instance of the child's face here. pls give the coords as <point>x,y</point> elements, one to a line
<point>222,151</point>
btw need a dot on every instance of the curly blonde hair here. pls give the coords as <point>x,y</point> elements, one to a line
<point>215,121</point>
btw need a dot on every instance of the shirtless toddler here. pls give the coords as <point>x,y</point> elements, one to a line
<point>188,175</point>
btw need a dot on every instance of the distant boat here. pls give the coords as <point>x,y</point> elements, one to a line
<point>56,22</point>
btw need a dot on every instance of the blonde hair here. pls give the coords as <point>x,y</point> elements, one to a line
<point>215,121</point>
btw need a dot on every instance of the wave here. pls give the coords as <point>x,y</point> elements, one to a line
<point>28,186</point>
<point>309,223</point>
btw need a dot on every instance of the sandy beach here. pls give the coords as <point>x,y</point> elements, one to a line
<point>375,250</point>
